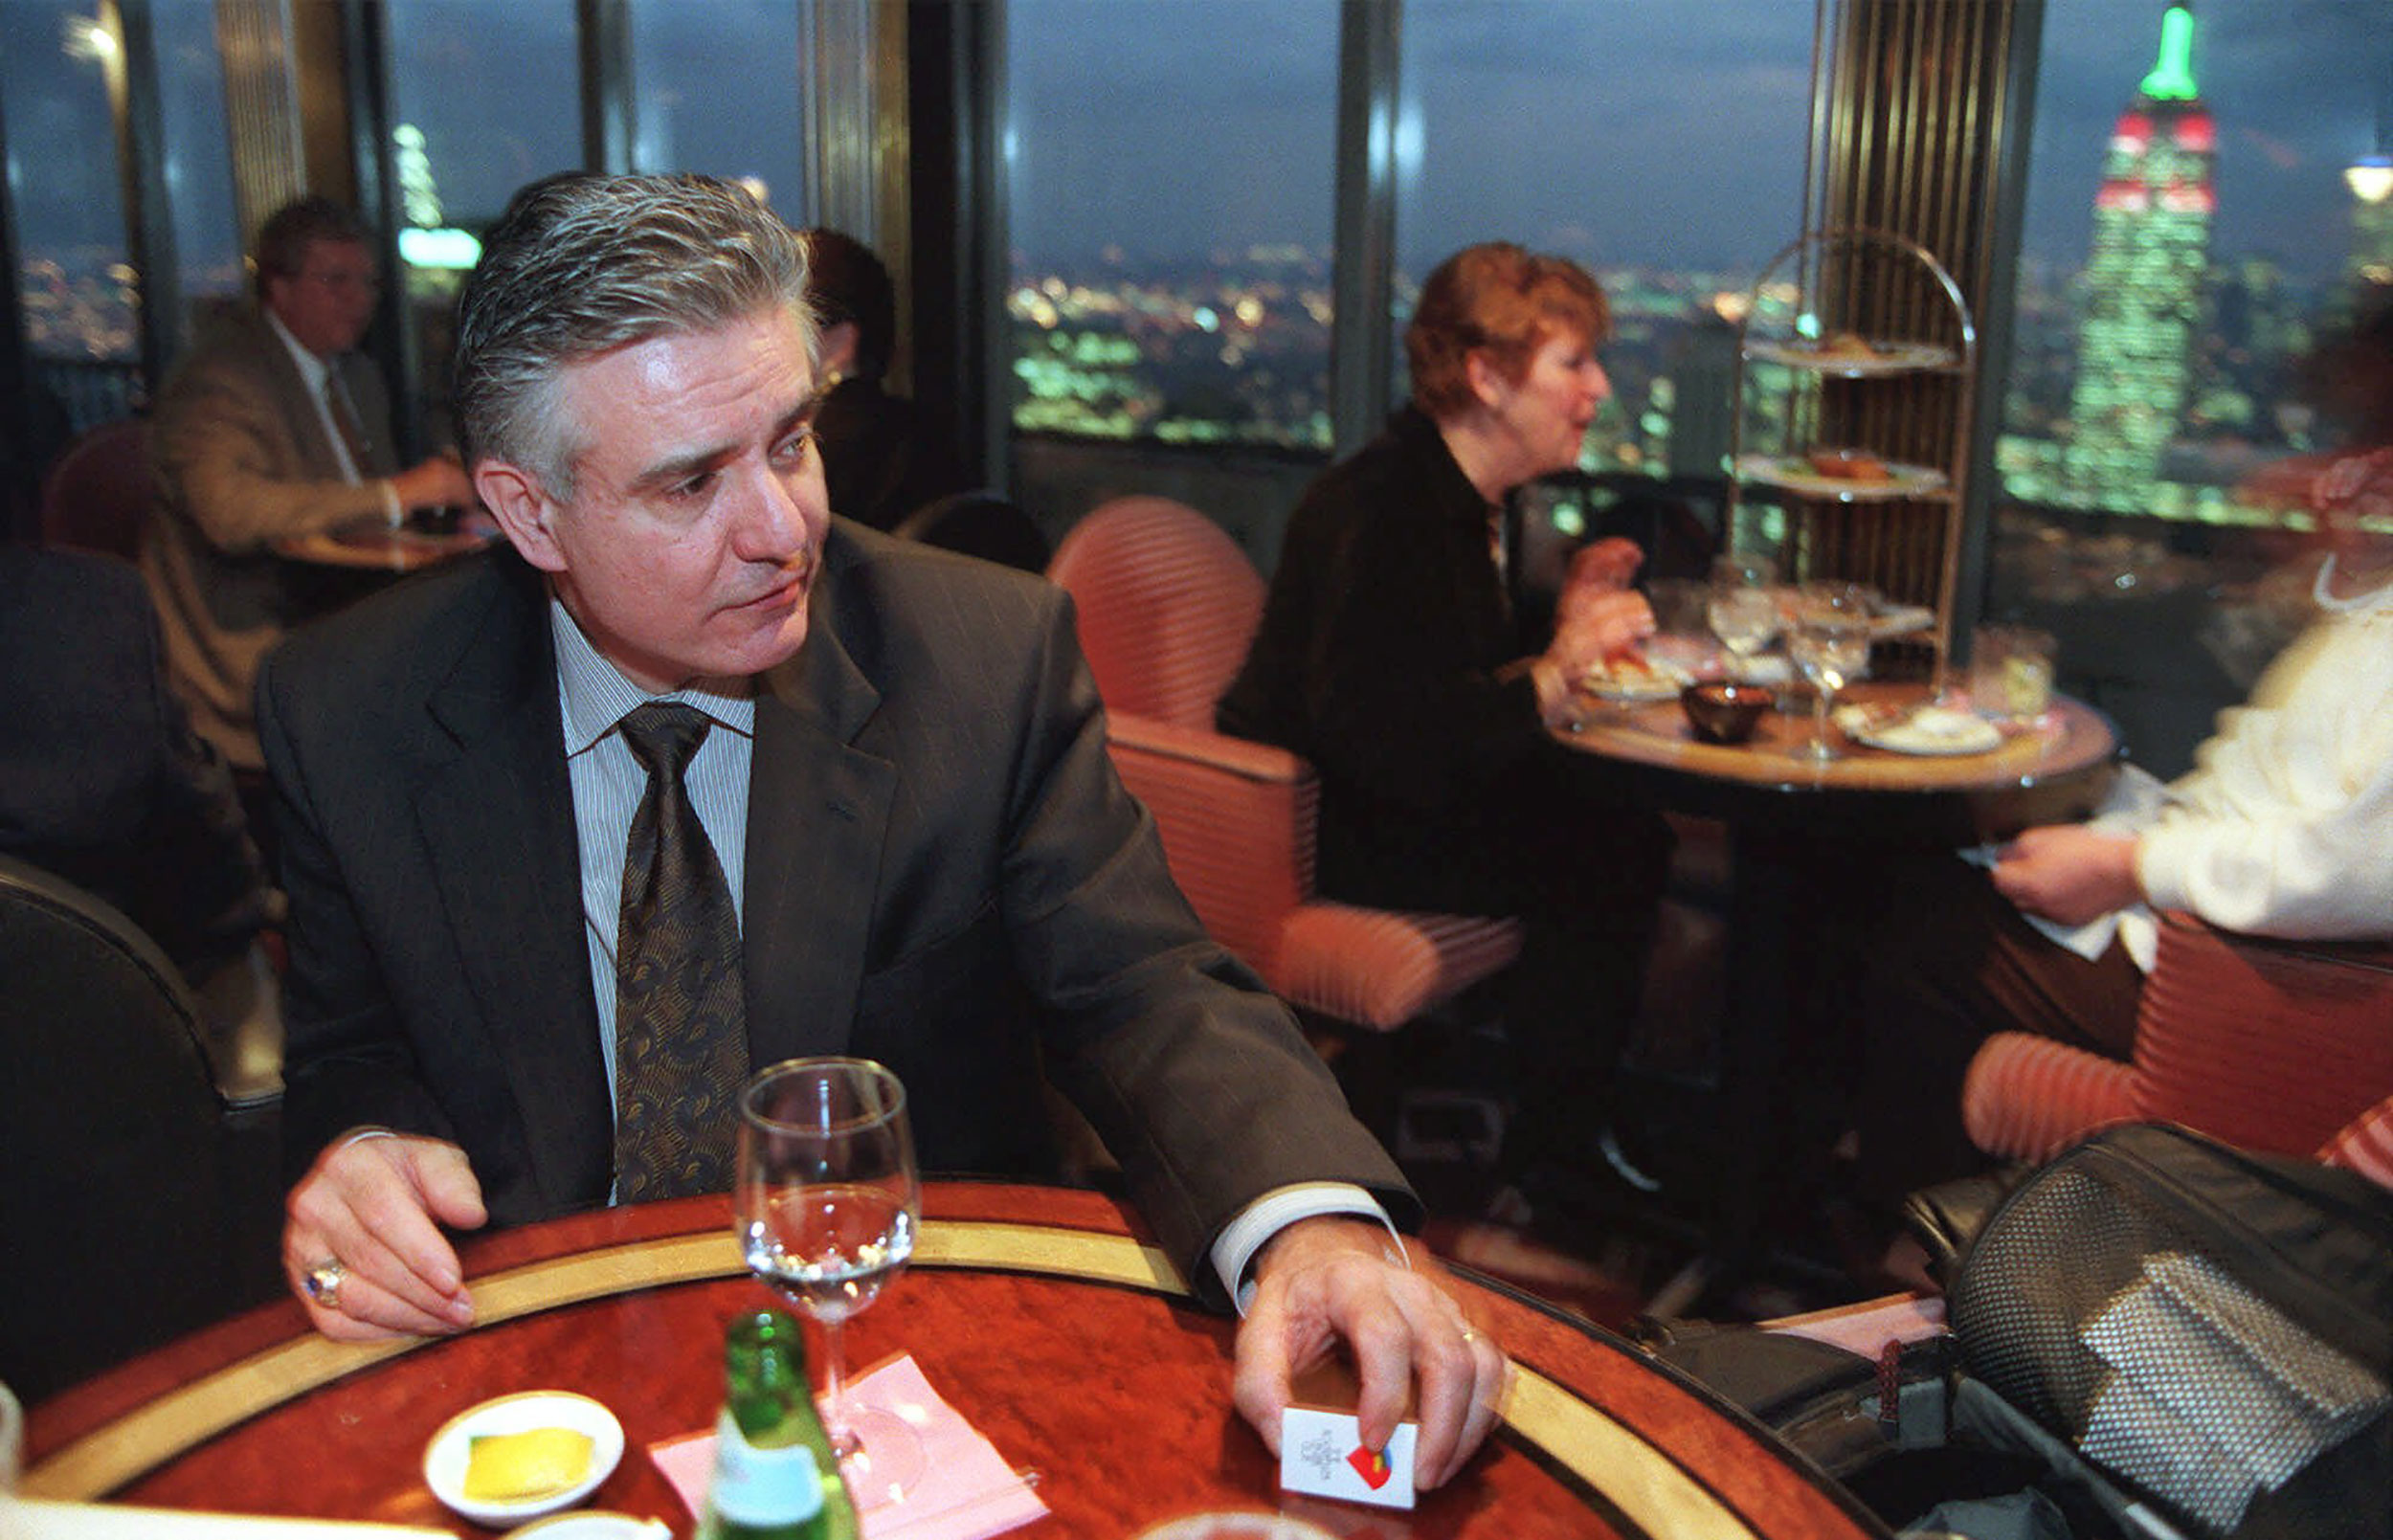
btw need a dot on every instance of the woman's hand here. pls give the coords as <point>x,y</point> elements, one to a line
<point>1597,628</point>
<point>1605,566</point>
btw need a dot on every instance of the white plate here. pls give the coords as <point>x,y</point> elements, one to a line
<point>1883,357</point>
<point>1929,731</point>
<point>1663,683</point>
<point>1795,474</point>
<point>596,1524</point>
<point>1768,668</point>
<point>1901,620</point>
<point>445,1456</point>
<point>1236,1527</point>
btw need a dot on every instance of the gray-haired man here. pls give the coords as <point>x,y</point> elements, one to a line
<point>904,782</point>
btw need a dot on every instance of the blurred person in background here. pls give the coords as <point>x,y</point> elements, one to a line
<point>2282,828</point>
<point>103,782</point>
<point>879,455</point>
<point>272,426</point>
<point>1391,656</point>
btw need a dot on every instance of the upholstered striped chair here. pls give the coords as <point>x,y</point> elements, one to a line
<point>2366,1144</point>
<point>2270,1046</point>
<point>1167,604</point>
<point>98,494</point>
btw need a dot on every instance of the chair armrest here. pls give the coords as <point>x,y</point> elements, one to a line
<point>1238,824</point>
<point>2262,1042</point>
<point>1216,751</point>
<point>2025,1096</point>
<point>1381,968</point>
<point>2366,1144</point>
<point>2367,955</point>
<point>1237,821</point>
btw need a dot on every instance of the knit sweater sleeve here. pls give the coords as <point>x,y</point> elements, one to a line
<point>2285,827</point>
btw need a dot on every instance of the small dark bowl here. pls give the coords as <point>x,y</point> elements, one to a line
<point>1722,711</point>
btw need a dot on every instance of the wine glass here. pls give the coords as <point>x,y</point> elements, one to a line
<point>826,1208</point>
<point>1829,647</point>
<point>1742,609</point>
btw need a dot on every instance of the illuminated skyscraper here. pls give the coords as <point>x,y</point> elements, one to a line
<point>2143,281</point>
<point>2371,181</point>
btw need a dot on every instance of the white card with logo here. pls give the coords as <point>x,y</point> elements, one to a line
<point>1321,1454</point>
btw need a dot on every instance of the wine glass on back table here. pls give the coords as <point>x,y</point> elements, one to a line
<point>826,1207</point>
<point>1829,647</point>
<point>1741,607</point>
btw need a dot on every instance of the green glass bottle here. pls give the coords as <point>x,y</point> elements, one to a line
<point>774,1475</point>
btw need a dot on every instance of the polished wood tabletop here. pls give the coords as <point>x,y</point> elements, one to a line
<point>1041,1314</point>
<point>2051,769</point>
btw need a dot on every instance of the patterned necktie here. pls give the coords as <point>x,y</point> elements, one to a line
<point>344,417</point>
<point>681,1032</point>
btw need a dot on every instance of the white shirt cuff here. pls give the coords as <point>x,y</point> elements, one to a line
<point>1235,1248</point>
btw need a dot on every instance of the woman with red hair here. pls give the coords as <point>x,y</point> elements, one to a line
<point>1391,657</point>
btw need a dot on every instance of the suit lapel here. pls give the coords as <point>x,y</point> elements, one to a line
<point>497,815</point>
<point>818,810</point>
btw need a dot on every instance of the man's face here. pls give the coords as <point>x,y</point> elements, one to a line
<point>1547,411</point>
<point>328,304</point>
<point>695,530</point>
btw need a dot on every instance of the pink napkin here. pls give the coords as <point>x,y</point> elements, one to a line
<point>1867,1329</point>
<point>967,1490</point>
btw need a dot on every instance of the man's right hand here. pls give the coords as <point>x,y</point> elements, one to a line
<point>369,1211</point>
<point>439,481</point>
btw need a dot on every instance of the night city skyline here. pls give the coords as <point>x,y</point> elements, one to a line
<point>1643,169</point>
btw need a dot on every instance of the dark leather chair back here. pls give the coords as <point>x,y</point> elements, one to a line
<point>982,525</point>
<point>136,1203</point>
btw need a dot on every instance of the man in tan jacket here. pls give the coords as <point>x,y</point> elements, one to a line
<point>272,426</point>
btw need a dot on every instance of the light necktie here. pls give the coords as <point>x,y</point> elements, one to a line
<point>344,417</point>
<point>680,1031</point>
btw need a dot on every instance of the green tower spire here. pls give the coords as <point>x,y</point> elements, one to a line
<point>2172,77</point>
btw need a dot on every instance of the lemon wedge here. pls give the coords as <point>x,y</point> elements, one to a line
<point>508,1467</point>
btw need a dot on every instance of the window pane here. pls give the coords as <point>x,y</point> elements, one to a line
<point>208,244</point>
<point>472,123</point>
<point>715,88</point>
<point>2190,240</point>
<point>1171,175</point>
<point>67,206</point>
<point>492,86</point>
<point>1659,146</point>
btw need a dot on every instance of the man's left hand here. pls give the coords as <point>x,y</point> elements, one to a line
<point>1323,1280</point>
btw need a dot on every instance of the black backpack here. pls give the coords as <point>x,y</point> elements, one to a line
<point>2152,1335</point>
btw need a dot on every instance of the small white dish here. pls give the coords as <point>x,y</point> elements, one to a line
<point>1636,681</point>
<point>596,1524</point>
<point>1932,731</point>
<point>446,1455</point>
<point>1770,668</point>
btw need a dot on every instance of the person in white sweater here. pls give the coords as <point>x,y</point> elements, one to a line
<point>2283,828</point>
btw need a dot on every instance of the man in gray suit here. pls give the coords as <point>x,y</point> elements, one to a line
<point>902,774</point>
<point>272,426</point>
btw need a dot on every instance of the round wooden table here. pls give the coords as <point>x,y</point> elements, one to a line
<point>2052,771</point>
<point>1040,1315</point>
<point>374,547</point>
<point>1812,845</point>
